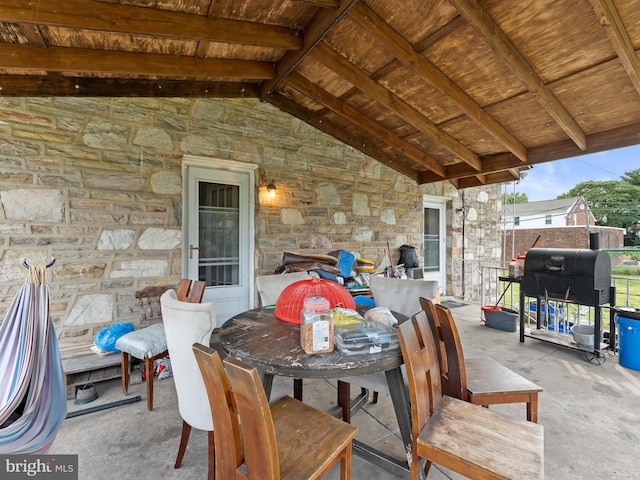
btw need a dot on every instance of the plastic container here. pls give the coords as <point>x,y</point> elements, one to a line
<point>628,342</point>
<point>316,326</point>
<point>291,301</point>
<point>514,269</point>
<point>363,338</point>
<point>501,319</point>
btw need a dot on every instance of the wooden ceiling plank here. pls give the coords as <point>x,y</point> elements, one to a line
<point>312,118</point>
<point>321,24</point>
<point>321,3</point>
<point>619,38</point>
<point>101,62</point>
<point>468,182</point>
<point>405,52</point>
<point>32,34</point>
<point>367,85</point>
<point>352,115</point>
<point>498,40</point>
<point>61,86</point>
<point>109,17</point>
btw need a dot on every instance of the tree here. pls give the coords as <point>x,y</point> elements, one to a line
<point>507,198</point>
<point>613,204</point>
<point>632,177</point>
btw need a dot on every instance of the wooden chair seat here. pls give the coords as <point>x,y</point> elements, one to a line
<point>457,435</point>
<point>490,383</point>
<point>478,443</point>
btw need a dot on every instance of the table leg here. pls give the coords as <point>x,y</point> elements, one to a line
<point>267,382</point>
<point>400,398</point>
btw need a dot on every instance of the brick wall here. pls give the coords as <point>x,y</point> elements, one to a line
<point>569,237</point>
<point>96,183</point>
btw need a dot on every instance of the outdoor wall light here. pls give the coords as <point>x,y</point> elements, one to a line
<point>271,188</point>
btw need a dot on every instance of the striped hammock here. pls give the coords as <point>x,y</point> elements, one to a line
<point>32,392</point>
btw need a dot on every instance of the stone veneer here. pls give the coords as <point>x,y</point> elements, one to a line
<point>96,183</point>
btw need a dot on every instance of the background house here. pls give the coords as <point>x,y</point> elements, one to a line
<point>563,223</point>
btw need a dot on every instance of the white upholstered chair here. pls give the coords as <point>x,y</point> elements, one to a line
<point>270,286</point>
<point>186,324</point>
<point>398,295</point>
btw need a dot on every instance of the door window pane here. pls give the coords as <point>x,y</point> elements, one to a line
<point>431,240</point>
<point>219,234</point>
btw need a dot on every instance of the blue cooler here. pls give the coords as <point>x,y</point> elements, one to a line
<point>628,323</point>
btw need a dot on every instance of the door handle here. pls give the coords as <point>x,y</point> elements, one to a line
<point>191,249</point>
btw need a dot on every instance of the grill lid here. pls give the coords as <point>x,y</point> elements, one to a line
<point>577,275</point>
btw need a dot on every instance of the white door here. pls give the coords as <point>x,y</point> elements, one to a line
<point>219,236</point>
<point>435,242</point>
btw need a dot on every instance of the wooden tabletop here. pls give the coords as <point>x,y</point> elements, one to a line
<point>273,347</point>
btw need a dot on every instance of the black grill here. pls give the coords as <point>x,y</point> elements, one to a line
<point>575,275</point>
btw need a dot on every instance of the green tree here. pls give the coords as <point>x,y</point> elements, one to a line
<point>507,198</point>
<point>632,177</point>
<point>613,204</point>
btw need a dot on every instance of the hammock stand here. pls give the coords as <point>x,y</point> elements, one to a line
<point>32,394</point>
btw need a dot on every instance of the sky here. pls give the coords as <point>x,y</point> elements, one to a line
<point>546,181</point>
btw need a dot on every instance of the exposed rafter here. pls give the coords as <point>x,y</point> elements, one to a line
<point>322,3</point>
<point>403,50</point>
<point>359,143</point>
<point>321,24</point>
<point>352,115</point>
<point>497,39</point>
<point>108,17</point>
<point>364,83</point>
<point>33,60</point>
<point>619,37</point>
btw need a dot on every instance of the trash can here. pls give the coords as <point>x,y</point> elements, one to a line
<point>628,323</point>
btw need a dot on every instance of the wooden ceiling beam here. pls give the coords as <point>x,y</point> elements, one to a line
<point>33,60</point>
<point>323,97</point>
<point>361,144</point>
<point>109,17</point>
<point>360,80</point>
<point>404,51</point>
<point>321,3</point>
<point>598,142</point>
<point>498,41</point>
<point>319,26</point>
<point>498,177</point>
<point>61,86</point>
<point>619,38</point>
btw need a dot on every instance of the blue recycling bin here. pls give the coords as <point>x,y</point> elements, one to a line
<point>628,341</point>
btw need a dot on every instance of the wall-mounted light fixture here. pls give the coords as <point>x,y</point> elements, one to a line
<point>271,188</point>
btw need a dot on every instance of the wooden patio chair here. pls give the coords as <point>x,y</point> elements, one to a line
<point>479,380</point>
<point>287,439</point>
<point>470,440</point>
<point>149,343</point>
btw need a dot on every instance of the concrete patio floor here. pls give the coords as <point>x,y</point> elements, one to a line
<point>590,413</point>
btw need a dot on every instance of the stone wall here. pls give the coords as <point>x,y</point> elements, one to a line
<point>96,183</point>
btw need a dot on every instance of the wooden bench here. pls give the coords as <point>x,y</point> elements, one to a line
<point>81,366</point>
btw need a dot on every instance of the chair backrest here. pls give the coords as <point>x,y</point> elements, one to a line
<point>423,371</point>
<point>271,286</point>
<point>258,432</point>
<point>454,382</point>
<point>191,291</point>
<point>185,324</point>
<point>228,446</point>
<point>149,300</point>
<point>429,309</point>
<point>401,295</point>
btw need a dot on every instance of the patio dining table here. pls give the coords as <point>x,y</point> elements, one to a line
<point>273,346</point>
